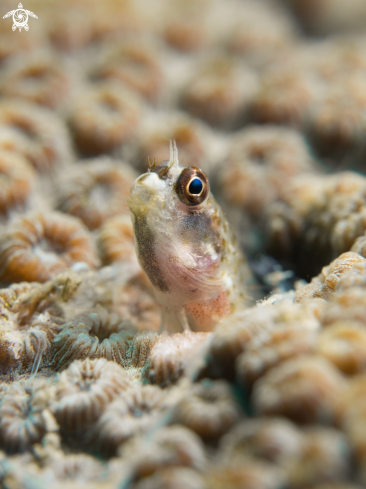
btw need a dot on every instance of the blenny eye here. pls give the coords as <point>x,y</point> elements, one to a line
<point>192,186</point>
<point>195,187</point>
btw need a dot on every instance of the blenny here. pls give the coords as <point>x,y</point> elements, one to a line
<point>186,246</point>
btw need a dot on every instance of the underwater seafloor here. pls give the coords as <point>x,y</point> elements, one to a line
<point>269,99</point>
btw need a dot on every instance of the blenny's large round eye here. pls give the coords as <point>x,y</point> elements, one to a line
<point>192,186</point>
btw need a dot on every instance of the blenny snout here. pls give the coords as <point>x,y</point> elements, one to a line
<point>146,189</point>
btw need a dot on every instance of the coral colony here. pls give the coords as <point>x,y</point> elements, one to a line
<point>183,245</point>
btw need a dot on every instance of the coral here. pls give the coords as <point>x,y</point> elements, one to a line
<point>129,415</point>
<point>39,79</point>
<point>233,334</point>
<point>249,474</point>
<point>69,34</point>
<point>258,338</point>
<point>93,335</point>
<point>135,302</point>
<point>209,409</point>
<point>103,118</point>
<point>274,440</point>
<point>336,124</point>
<point>326,16</point>
<point>103,21</point>
<point>12,46</point>
<point>119,20</point>
<point>26,299</point>
<point>259,166</point>
<point>83,391</point>
<point>24,350</point>
<point>351,404</point>
<point>359,246</point>
<point>173,356</point>
<point>220,92</point>
<point>172,478</point>
<point>285,222</point>
<point>331,485</point>
<point>17,181</point>
<point>116,243</point>
<point>260,33</point>
<point>173,446</point>
<point>325,457</point>
<point>351,415</point>
<point>285,95</point>
<point>139,353</point>
<point>41,245</point>
<point>25,417</point>
<point>96,190</point>
<point>322,218</point>
<point>339,54</point>
<point>76,466</point>
<point>35,132</point>
<point>120,289</point>
<point>347,305</point>
<point>282,343</point>
<point>185,25</point>
<point>30,317</point>
<point>303,389</point>
<point>344,344</point>
<point>326,282</point>
<point>134,63</point>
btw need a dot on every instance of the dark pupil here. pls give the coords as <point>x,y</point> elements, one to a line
<point>195,187</point>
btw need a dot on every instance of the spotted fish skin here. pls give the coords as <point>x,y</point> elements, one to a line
<point>186,247</point>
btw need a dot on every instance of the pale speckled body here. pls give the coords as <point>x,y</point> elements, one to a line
<point>189,253</point>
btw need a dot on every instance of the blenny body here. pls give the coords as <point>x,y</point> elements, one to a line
<point>186,246</point>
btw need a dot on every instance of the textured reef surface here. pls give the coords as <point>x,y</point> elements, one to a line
<point>269,100</point>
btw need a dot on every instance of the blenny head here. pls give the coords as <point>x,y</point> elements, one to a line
<point>169,187</point>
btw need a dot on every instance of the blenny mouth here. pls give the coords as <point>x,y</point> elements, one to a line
<point>146,189</point>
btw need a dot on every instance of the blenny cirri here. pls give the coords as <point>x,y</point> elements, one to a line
<point>186,246</point>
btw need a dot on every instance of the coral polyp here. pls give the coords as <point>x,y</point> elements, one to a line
<point>17,181</point>
<point>84,390</point>
<point>41,245</point>
<point>310,381</point>
<point>97,191</point>
<point>135,64</point>
<point>221,92</point>
<point>103,119</point>
<point>116,241</point>
<point>260,161</point>
<point>210,409</point>
<point>129,415</point>
<point>38,80</point>
<point>25,414</point>
<point>34,132</point>
<point>93,335</point>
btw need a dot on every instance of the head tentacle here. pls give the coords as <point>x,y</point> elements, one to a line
<point>173,157</point>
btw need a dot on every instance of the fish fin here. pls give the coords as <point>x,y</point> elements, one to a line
<point>183,321</point>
